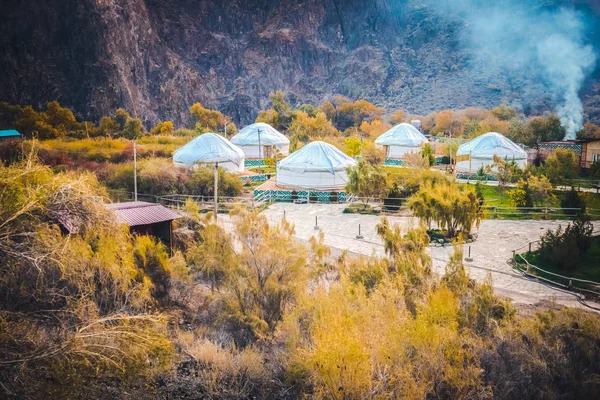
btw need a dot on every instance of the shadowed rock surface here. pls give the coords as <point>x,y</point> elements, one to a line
<point>157,57</point>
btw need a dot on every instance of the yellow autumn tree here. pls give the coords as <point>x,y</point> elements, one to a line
<point>206,119</point>
<point>397,117</point>
<point>308,128</point>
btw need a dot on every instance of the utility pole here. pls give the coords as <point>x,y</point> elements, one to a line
<point>134,172</point>
<point>361,145</point>
<point>470,160</point>
<point>216,188</point>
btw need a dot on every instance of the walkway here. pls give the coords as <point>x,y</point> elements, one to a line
<point>490,252</point>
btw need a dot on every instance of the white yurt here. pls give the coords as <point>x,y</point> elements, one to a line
<point>318,165</point>
<point>401,140</point>
<point>210,148</point>
<point>269,138</point>
<point>480,151</point>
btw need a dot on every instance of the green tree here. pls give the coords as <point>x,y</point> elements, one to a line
<point>521,133</point>
<point>506,171</point>
<point>279,115</point>
<point>448,206</point>
<point>573,199</point>
<point>121,117</point>
<point>231,129</point>
<point>108,126</point>
<point>366,181</point>
<point>504,112</point>
<point>427,153</point>
<point>541,190</point>
<point>309,109</point>
<point>564,248</point>
<point>554,129</point>
<point>60,118</point>
<point>206,120</point>
<point>133,129</point>
<point>201,183</point>
<point>562,166</point>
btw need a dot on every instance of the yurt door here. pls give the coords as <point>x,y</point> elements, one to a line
<point>268,151</point>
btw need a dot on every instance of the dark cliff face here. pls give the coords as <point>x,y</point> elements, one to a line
<point>157,57</point>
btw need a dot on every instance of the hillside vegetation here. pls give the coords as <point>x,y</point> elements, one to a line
<point>91,311</point>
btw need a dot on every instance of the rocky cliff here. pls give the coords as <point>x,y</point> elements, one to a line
<point>157,57</point>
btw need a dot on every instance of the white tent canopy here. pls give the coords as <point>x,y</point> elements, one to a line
<point>401,140</point>
<point>248,139</point>
<point>210,148</point>
<point>482,150</point>
<point>318,165</point>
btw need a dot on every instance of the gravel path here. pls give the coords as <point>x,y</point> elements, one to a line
<point>490,252</point>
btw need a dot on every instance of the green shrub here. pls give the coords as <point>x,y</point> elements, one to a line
<point>564,248</point>
<point>201,183</point>
<point>572,199</point>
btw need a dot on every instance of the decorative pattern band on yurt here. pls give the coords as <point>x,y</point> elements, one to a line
<point>402,139</point>
<point>210,148</point>
<point>269,139</point>
<point>318,165</point>
<point>480,152</point>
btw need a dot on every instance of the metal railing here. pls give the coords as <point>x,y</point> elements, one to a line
<point>585,287</point>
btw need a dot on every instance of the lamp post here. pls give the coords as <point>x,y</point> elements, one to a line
<point>259,151</point>
<point>216,189</point>
<point>361,145</point>
<point>134,172</point>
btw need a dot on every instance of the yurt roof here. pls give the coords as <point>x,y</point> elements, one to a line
<point>317,156</point>
<point>269,136</point>
<point>402,135</point>
<point>490,144</point>
<point>209,148</point>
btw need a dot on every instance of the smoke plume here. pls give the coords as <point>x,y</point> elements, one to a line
<point>537,43</point>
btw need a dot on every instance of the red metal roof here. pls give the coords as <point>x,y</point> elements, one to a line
<point>137,213</point>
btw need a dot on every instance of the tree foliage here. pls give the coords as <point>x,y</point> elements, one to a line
<point>564,248</point>
<point>447,205</point>
<point>562,166</point>
<point>367,182</point>
<point>206,120</point>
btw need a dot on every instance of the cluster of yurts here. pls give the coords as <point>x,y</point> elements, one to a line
<point>319,165</point>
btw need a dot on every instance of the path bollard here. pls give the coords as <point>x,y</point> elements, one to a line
<point>468,258</point>
<point>316,223</point>
<point>359,236</point>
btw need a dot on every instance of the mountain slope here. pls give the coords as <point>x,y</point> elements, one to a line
<point>157,57</point>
